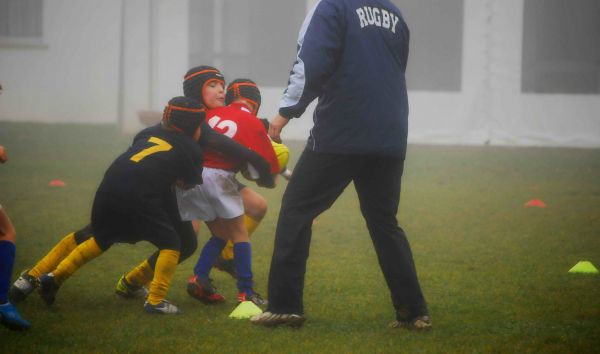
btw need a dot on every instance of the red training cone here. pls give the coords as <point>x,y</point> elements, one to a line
<point>57,183</point>
<point>535,203</point>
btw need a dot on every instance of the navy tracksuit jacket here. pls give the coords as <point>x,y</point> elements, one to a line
<point>343,59</point>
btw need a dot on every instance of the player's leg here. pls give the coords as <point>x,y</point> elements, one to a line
<point>28,280</point>
<point>235,231</point>
<point>200,285</point>
<point>108,225</point>
<point>164,270</point>
<point>255,209</point>
<point>378,187</point>
<point>242,250</point>
<point>152,223</point>
<point>134,283</point>
<point>61,250</point>
<point>82,254</point>
<point>218,197</point>
<point>9,316</point>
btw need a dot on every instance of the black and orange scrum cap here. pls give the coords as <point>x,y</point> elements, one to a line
<point>196,79</point>
<point>184,115</point>
<point>243,88</point>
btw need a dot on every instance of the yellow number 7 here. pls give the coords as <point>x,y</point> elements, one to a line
<point>161,145</point>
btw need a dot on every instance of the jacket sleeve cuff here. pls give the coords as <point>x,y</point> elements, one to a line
<point>288,113</point>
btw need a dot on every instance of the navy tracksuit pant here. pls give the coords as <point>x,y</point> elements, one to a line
<point>317,181</point>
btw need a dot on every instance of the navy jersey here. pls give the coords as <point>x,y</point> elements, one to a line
<point>352,56</point>
<point>156,159</point>
<point>208,134</point>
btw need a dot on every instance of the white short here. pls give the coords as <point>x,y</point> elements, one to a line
<point>216,197</point>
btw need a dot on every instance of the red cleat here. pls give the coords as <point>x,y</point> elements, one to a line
<point>254,297</point>
<point>202,289</point>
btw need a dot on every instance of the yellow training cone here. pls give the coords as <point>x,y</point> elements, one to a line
<point>584,267</point>
<point>245,309</point>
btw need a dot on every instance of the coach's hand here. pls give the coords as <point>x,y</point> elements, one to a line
<point>266,181</point>
<point>276,126</point>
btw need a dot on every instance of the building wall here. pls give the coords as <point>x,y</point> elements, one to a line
<point>94,67</point>
<point>69,76</point>
<point>491,107</point>
<point>154,57</point>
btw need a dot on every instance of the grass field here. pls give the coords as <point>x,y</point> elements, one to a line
<point>494,272</point>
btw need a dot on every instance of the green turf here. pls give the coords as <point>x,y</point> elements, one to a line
<point>495,273</point>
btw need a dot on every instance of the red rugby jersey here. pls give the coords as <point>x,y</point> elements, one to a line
<point>238,123</point>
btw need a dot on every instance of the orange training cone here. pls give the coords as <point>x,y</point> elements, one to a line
<point>57,183</point>
<point>535,203</point>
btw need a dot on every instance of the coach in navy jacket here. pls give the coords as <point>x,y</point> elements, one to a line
<point>352,56</point>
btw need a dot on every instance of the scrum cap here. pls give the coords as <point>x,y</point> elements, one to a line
<point>196,80</point>
<point>243,88</point>
<point>184,115</point>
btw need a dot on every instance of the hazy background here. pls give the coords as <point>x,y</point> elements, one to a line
<point>503,72</point>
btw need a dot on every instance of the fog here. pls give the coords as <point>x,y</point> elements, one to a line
<point>519,72</point>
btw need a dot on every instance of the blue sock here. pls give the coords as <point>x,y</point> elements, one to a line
<point>7,260</point>
<point>208,256</point>
<point>242,258</point>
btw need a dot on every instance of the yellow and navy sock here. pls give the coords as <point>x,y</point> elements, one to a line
<point>82,254</point>
<point>251,226</point>
<point>208,256</point>
<point>7,261</point>
<point>141,275</point>
<point>55,256</point>
<point>163,273</point>
<point>243,266</point>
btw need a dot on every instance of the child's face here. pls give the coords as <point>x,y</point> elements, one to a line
<point>214,95</point>
<point>251,106</point>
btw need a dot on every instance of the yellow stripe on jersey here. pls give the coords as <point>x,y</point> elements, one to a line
<point>161,145</point>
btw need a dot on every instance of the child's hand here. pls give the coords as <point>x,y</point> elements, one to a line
<point>183,185</point>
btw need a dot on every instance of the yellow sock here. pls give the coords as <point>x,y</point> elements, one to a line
<point>163,273</point>
<point>141,274</point>
<point>82,254</point>
<point>227,252</point>
<point>55,256</point>
<point>251,225</point>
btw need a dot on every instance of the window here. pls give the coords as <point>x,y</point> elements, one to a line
<point>436,32</point>
<point>255,39</point>
<point>21,21</point>
<point>561,46</point>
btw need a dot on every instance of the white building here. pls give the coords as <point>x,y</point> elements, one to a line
<point>505,72</point>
